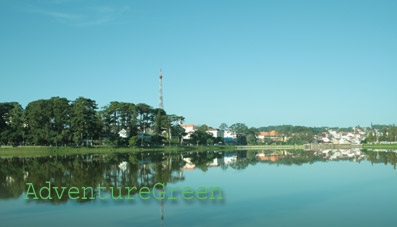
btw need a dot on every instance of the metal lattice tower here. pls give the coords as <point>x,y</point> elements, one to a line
<point>161,106</point>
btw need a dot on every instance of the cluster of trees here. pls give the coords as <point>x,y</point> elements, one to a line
<point>140,120</point>
<point>244,135</point>
<point>389,134</point>
<point>202,137</point>
<point>59,121</point>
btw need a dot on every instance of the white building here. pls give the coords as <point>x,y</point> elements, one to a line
<point>123,133</point>
<point>216,132</point>
<point>188,164</point>
<point>189,129</point>
<point>326,140</point>
<point>229,134</point>
<point>229,159</point>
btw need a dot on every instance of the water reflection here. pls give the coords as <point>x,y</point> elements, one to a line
<point>146,169</point>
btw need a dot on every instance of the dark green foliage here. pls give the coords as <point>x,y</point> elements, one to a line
<point>85,122</point>
<point>117,116</point>
<point>386,134</point>
<point>48,121</point>
<point>241,131</point>
<point>133,141</point>
<point>223,126</point>
<point>202,137</point>
<point>11,123</point>
<point>58,121</point>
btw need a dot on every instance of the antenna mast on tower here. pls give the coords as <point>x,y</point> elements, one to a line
<point>161,106</point>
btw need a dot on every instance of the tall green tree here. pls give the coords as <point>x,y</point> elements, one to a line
<point>39,122</point>
<point>201,136</point>
<point>134,122</point>
<point>11,123</point>
<point>160,122</point>
<point>145,113</point>
<point>60,120</point>
<point>48,121</point>
<point>174,127</point>
<point>241,131</point>
<point>117,116</point>
<point>85,122</point>
<point>223,126</point>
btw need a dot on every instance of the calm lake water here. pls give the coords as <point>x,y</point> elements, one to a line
<point>259,188</point>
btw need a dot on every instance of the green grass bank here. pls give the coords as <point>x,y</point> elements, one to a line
<point>30,151</point>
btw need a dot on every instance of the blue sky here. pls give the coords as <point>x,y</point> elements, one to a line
<point>313,63</point>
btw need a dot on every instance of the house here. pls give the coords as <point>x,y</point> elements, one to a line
<point>325,140</point>
<point>273,136</point>
<point>123,133</point>
<point>230,137</point>
<point>229,158</point>
<point>188,164</point>
<point>215,162</point>
<point>272,158</point>
<point>189,129</point>
<point>216,132</point>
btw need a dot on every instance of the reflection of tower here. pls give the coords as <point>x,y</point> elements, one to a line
<point>162,210</point>
<point>161,106</point>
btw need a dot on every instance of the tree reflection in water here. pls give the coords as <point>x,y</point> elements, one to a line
<point>147,169</point>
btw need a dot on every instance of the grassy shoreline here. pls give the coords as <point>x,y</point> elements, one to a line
<point>380,146</point>
<point>30,151</point>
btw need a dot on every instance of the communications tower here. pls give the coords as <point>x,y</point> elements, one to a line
<point>161,106</point>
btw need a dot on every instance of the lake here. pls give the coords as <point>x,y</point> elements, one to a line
<point>258,188</point>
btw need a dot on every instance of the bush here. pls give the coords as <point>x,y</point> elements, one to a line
<point>133,141</point>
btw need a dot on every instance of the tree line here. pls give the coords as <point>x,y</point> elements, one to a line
<point>59,121</point>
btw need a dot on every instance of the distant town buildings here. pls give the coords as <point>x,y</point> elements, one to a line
<point>278,156</point>
<point>331,136</point>
<point>335,137</point>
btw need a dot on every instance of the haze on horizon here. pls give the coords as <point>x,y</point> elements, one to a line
<point>261,63</point>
